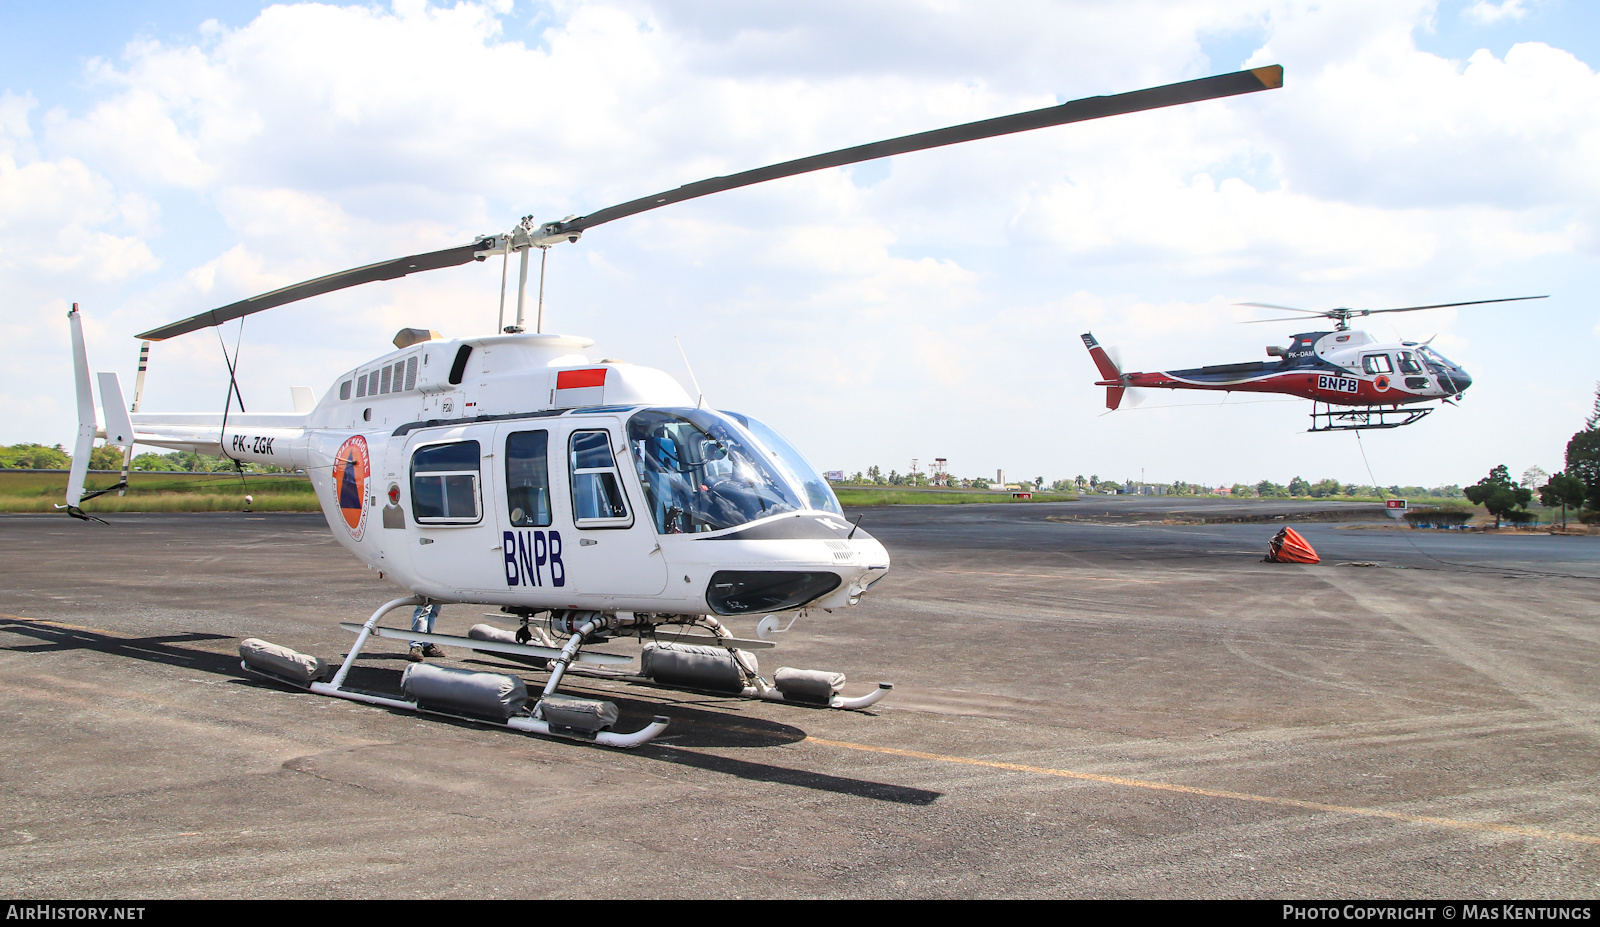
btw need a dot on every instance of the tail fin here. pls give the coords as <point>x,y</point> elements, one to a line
<point>86,421</point>
<point>1108,372</point>
<point>119,429</point>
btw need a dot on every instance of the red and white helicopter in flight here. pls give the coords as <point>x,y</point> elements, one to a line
<point>591,499</point>
<point>1354,381</point>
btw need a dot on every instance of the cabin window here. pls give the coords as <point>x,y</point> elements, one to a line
<point>528,479</point>
<point>1408,364</point>
<point>597,497</point>
<point>1376,363</point>
<point>444,484</point>
<point>344,389</point>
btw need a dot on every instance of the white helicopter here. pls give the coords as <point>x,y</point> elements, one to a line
<point>589,499</point>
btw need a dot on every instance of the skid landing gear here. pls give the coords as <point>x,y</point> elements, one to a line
<point>1325,417</point>
<point>551,716</point>
<point>716,662</point>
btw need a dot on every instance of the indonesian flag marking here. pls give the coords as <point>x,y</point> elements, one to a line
<point>581,387</point>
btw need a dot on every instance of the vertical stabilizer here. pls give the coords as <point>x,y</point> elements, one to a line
<point>1108,372</point>
<point>86,422</point>
<point>138,395</point>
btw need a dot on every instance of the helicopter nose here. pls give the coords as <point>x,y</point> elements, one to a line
<point>1458,381</point>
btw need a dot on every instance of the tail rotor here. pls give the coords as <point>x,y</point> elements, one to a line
<point>1111,375</point>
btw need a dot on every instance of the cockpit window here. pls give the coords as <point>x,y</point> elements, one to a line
<point>703,472</point>
<point>799,471</point>
<point>1408,363</point>
<point>1431,355</point>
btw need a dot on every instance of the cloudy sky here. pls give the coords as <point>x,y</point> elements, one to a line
<point>157,160</point>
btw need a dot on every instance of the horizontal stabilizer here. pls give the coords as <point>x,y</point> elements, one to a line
<point>119,427</point>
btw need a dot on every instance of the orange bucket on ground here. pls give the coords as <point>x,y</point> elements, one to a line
<point>1287,546</point>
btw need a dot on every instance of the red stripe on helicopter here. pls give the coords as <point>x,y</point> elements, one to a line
<point>581,379</point>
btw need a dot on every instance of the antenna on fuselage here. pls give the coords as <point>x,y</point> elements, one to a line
<point>700,399</point>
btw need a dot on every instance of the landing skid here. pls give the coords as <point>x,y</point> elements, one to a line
<point>532,723</point>
<point>799,687</point>
<point>1325,417</point>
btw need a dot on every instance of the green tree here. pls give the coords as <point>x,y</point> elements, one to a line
<point>1583,463</point>
<point>875,475</point>
<point>1563,490</point>
<point>1497,493</point>
<point>34,457</point>
<point>1268,489</point>
<point>1325,488</point>
<point>1299,487</point>
<point>106,457</point>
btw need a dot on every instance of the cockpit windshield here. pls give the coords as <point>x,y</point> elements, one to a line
<point>1430,354</point>
<point>818,492</point>
<point>702,471</point>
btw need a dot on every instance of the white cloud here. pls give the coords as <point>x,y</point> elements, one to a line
<point>1489,13</point>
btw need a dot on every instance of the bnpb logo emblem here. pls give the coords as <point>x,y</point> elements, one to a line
<point>352,483</point>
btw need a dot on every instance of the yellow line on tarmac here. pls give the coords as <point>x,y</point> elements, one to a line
<point>1513,829</point>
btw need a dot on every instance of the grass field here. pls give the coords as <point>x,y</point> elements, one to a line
<point>40,490</point>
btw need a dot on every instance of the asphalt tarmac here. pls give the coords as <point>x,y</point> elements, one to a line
<point>1089,701</point>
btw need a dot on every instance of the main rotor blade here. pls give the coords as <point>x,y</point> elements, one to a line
<point>383,270</point>
<point>1206,88</point>
<point>1193,91</point>
<point>1475,302</point>
<point>1284,308</point>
